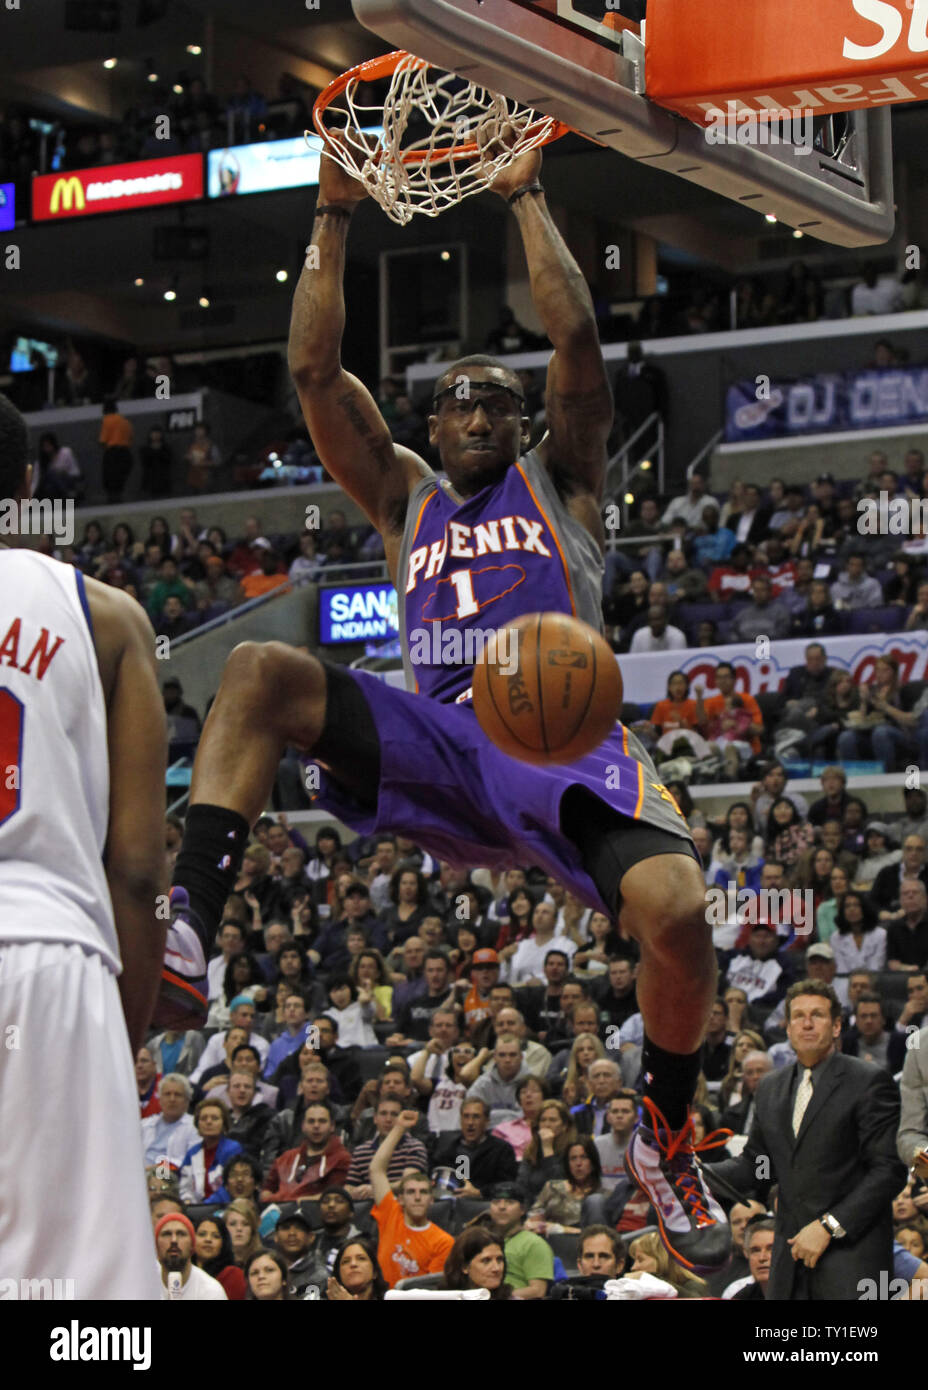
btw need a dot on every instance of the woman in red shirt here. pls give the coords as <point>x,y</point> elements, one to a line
<point>517,925</point>
<point>214,1255</point>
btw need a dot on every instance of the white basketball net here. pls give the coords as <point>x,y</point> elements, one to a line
<point>414,165</point>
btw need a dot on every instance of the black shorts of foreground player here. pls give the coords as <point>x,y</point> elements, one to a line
<point>386,753</point>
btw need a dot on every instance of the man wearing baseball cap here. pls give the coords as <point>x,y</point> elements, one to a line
<point>293,1236</point>
<point>337,1212</point>
<point>484,973</point>
<point>180,1277</point>
<point>330,949</point>
<point>757,970</point>
<point>822,967</point>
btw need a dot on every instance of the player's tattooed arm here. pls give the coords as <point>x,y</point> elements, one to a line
<point>346,427</point>
<point>578,400</point>
<point>581,414</point>
<point>379,445</point>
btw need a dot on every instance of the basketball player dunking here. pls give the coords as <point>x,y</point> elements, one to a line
<point>83,745</point>
<point>509,532</point>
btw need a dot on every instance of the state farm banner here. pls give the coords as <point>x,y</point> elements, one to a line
<point>830,55</point>
<point>645,676</point>
<point>117,187</point>
<point>830,401</point>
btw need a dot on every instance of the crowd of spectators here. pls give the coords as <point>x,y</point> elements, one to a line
<point>188,577</point>
<point>798,295</point>
<point>821,712</point>
<point>412,1072</point>
<point>782,562</point>
<point>785,561</point>
<point>199,120</point>
<point>91,373</point>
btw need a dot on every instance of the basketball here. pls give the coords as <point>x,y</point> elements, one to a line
<point>549,691</point>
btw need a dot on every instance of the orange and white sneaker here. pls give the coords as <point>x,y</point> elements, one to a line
<point>692,1225</point>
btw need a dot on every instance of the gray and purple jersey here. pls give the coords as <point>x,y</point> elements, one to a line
<point>470,566</point>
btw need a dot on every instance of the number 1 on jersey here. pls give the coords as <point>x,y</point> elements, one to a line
<point>464,588</point>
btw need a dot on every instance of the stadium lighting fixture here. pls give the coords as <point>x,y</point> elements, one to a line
<point>153,77</point>
<point>770,217</point>
<point>195,49</point>
<point>798,234</point>
<point>282,276</point>
<point>446,255</point>
<point>177,89</point>
<point>109,63</point>
<point>203,301</point>
<point>629,498</point>
<point>170,295</point>
<point>138,282</point>
<point>644,465</point>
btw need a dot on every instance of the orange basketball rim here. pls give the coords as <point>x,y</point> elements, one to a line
<point>380,69</point>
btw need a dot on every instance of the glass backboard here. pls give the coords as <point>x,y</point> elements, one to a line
<point>586,66</point>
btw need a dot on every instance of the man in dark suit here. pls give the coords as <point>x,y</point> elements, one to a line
<point>615,993</point>
<point>740,1118</point>
<point>913,1017</point>
<point>479,1159</point>
<point>759,1240</point>
<point>753,524</point>
<point>888,883</point>
<point>605,1078</point>
<point>825,1131</point>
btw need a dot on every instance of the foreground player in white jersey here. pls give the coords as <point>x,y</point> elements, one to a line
<point>82,760</point>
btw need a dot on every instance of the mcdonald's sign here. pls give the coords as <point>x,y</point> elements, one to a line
<point>117,187</point>
<point>68,192</point>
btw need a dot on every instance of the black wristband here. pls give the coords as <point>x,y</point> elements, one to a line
<point>323,208</point>
<point>529,188</point>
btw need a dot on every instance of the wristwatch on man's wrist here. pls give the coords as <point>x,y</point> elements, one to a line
<point>833,1226</point>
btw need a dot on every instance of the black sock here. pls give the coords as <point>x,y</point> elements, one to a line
<point>670,1080</point>
<point>209,862</point>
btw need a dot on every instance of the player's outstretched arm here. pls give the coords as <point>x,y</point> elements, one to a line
<point>348,431</point>
<point>578,400</point>
<point>134,857</point>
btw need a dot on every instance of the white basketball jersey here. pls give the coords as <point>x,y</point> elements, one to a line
<point>54,761</point>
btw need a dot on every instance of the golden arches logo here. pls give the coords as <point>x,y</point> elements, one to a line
<point>67,192</point>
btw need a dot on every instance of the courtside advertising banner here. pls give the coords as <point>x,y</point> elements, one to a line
<point>264,167</point>
<point>117,187</point>
<point>823,56</point>
<point>645,675</point>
